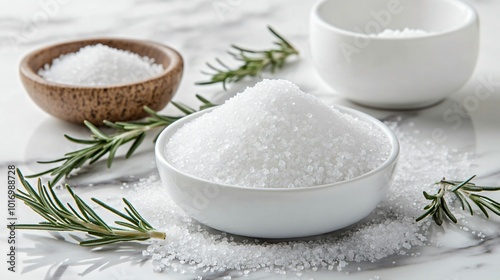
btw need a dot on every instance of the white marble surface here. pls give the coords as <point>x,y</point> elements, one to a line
<point>202,30</point>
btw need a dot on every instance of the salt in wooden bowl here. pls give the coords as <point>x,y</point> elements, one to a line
<point>121,102</point>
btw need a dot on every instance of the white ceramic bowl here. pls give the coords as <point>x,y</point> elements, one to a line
<point>398,72</point>
<point>276,212</point>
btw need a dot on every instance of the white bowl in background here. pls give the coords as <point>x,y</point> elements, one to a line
<point>276,212</point>
<point>396,72</point>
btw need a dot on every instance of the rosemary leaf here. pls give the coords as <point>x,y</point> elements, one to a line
<point>447,211</point>
<point>136,144</point>
<point>104,205</point>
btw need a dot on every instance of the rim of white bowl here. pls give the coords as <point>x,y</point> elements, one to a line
<point>170,130</point>
<point>471,20</point>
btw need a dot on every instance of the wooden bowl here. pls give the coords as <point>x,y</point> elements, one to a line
<point>120,102</point>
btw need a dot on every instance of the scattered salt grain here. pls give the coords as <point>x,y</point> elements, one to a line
<point>407,32</point>
<point>390,230</point>
<point>100,65</point>
<point>274,135</point>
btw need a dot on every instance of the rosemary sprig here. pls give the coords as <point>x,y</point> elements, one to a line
<point>254,62</point>
<point>101,143</point>
<point>463,191</point>
<point>82,218</point>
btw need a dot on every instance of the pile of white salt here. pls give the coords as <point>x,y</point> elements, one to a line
<point>100,65</point>
<point>274,135</point>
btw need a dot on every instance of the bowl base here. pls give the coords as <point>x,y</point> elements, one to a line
<point>396,106</point>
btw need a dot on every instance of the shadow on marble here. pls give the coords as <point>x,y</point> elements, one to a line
<point>51,253</point>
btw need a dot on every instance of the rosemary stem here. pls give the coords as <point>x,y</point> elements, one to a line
<point>132,233</point>
<point>128,135</point>
<point>140,234</point>
<point>157,234</point>
<point>442,191</point>
<point>131,134</point>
